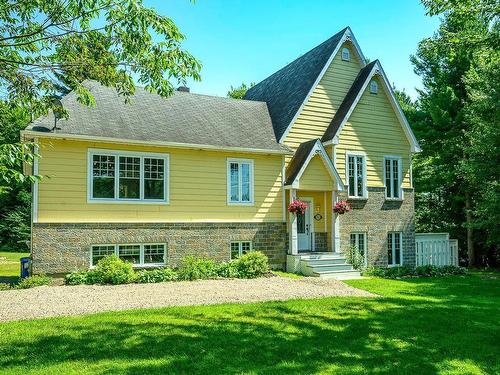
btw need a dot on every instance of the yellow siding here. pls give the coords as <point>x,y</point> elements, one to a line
<point>316,176</point>
<point>374,129</point>
<point>197,187</point>
<point>325,100</point>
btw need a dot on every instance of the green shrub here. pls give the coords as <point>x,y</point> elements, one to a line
<point>156,275</point>
<point>32,281</point>
<point>355,258</point>
<point>76,278</point>
<point>4,286</point>
<point>194,268</point>
<point>252,264</point>
<point>228,270</point>
<point>427,271</point>
<point>111,270</point>
<point>421,271</point>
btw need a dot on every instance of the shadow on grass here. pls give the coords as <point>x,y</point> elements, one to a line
<point>455,329</point>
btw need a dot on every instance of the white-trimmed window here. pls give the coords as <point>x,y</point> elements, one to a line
<point>392,177</point>
<point>395,248</point>
<point>239,181</point>
<point>238,248</point>
<point>373,87</point>
<point>122,176</point>
<point>356,175</point>
<point>358,239</point>
<point>346,54</point>
<point>140,255</point>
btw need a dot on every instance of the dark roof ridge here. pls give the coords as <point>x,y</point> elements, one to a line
<point>349,99</point>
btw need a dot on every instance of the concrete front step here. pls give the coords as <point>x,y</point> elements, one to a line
<point>329,267</point>
<point>339,275</point>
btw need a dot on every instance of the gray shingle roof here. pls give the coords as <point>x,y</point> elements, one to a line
<point>181,118</point>
<point>298,160</point>
<point>285,91</point>
<point>347,102</point>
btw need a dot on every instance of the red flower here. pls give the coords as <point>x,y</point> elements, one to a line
<point>297,206</point>
<point>342,207</point>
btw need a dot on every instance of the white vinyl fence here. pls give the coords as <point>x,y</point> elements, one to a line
<point>436,249</point>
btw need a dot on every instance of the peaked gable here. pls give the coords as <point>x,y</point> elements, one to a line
<point>286,91</point>
<point>352,98</point>
<point>305,153</point>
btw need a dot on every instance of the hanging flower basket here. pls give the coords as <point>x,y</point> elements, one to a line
<point>297,206</point>
<point>342,207</point>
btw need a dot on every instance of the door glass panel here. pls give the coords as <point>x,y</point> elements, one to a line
<point>301,223</point>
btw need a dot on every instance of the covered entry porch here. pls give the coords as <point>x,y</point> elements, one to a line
<point>314,239</point>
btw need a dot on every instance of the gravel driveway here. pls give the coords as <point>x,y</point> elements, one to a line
<point>51,301</point>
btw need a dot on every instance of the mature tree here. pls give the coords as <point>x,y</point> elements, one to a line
<point>456,186</point>
<point>239,91</point>
<point>47,47</point>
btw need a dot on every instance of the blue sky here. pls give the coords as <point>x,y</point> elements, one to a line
<point>245,41</point>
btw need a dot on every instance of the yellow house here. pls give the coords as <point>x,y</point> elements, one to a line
<point>157,179</point>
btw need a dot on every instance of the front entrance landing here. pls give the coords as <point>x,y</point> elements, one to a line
<point>325,265</point>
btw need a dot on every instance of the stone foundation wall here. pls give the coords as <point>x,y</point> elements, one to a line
<point>376,216</point>
<point>60,248</point>
<point>321,241</point>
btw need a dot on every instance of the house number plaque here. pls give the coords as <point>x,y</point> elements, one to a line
<point>318,217</point>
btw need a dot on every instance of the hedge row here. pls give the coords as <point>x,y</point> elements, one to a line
<point>112,270</point>
<point>421,271</point>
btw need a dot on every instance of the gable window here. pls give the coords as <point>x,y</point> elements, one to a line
<point>356,175</point>
<point>394,248</point>
<point>140,255</point>
<point>392,175</point>
<point>346,54</point>
<point>359,241</point>
<point>239,248</point>
<point>373,87</point>
<point>127,176</point>
<point>239,181</point>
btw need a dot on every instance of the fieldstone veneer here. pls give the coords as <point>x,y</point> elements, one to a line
<point>61,248</point>
<point>376,216</point>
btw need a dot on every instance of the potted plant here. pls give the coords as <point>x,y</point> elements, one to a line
<point>297,206</point>
<point>341,207</point>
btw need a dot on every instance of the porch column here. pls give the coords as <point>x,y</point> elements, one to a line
<point>335,225</point>
<point>293,242</point>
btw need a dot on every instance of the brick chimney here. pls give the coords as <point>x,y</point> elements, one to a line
<point>183,89</point>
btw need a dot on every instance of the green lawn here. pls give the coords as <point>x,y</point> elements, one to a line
<point>10,266</point>
<point>420,326</point>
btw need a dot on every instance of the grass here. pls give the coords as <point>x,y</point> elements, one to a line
<point>418,326</point>
<point>288,274</point>
<point>10,266</point>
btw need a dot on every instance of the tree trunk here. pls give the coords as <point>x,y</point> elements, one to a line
<point>470,231</point>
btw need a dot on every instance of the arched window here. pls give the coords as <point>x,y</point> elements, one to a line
<point>373,87</point>
<point>346,54</point>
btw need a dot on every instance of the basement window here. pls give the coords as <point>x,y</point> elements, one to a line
<point>239,248</point>
<point>140,255</point>
<point>346,54</point>
<point>373,87</point>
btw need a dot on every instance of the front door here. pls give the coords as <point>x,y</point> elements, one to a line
<point>304,228</point>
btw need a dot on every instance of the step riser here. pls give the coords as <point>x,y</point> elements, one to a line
<point>320,262</point>
<point>337,267</point>
<point>339,275</point>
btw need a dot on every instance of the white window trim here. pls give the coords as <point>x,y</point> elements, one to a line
<point>141,254</point>
<point>240,247</point>
<point>400,177</point>
<point>117,154</point>
<point>228,182</point>
<point>365,188</point>
<point>393,249</point>
<point>348,58</point>
<point>365,250</point>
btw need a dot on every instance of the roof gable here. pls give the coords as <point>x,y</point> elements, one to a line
<point>301,159</point>
<point>354,95</point>
<point>287,90</point>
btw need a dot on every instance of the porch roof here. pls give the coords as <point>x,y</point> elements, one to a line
<point>301,159</point>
